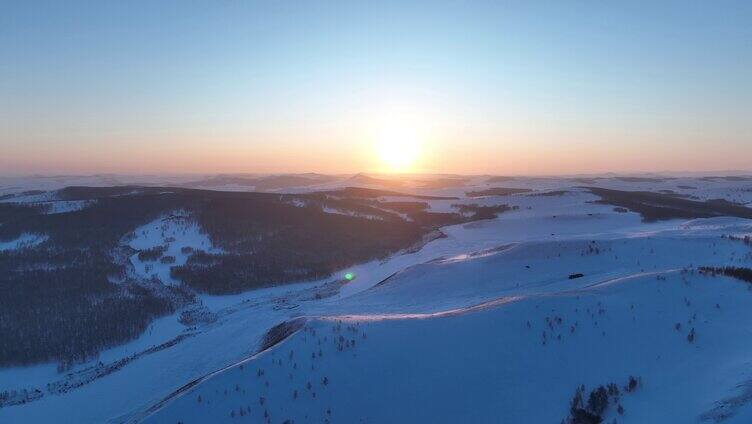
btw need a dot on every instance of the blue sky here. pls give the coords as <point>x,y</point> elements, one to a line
<point>497,87</point>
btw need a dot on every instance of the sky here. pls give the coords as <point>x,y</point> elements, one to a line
<point>517,87</point>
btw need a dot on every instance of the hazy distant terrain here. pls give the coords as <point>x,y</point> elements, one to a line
<point>287,295</point>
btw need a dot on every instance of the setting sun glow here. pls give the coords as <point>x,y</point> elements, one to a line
<point>397,148</point>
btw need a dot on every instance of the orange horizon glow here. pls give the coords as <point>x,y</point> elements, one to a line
<point>391,155</point>
<point>390,133</point>
<point>382,136</point>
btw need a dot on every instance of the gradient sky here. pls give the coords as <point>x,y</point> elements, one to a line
<point>517,87</point>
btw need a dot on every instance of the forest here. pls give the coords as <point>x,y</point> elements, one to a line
<point>661,206</point>
<point>71,296</point>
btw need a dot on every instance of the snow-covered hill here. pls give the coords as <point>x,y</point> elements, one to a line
<point>520,360</point>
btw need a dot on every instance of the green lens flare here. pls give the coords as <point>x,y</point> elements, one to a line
<point>349,276</point>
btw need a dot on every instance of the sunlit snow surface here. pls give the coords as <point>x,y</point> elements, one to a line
<point>442,334</point>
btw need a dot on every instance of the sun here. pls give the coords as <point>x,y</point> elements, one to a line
<point>397,147</point>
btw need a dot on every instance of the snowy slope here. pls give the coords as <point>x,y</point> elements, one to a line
<point>424,327</point>
<point>23,241</point>
<point>446,326</point>
<point>489,365</point>
<point>179,234</point>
